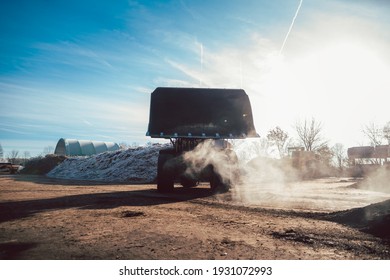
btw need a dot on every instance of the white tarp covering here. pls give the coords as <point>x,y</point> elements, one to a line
<point>73,147</point>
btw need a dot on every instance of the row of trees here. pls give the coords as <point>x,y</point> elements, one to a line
<point>378,135</point>
<point>310,137</point>
<point>309,134</point>
<point>15,157</point>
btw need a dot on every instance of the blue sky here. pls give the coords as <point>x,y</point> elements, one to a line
<point>85,69</point>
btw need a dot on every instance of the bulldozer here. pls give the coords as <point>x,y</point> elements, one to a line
<point>199,122</point>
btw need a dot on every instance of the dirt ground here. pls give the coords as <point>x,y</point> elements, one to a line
<point>42,218</point>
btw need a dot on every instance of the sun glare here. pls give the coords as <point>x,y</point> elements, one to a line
<point>326,83</point>
<point>342,67</point>
<point>337,71</point>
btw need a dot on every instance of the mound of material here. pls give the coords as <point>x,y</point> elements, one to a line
<point>378,180</point>
<point>134,165</point>
<point>41,166</point>
<point>373,219</point>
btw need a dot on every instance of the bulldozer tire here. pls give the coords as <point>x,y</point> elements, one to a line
<point>217,185</point>
<point>188,182</point>
<point>165,177</point>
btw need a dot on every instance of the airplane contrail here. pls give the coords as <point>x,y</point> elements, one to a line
<point>291,26</point>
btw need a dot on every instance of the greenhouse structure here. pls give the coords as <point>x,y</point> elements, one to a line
<point>73,147</point>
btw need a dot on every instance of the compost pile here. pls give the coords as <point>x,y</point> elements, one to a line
<point>41,166</point>
<point>373,219</point>
<point>133,165</point>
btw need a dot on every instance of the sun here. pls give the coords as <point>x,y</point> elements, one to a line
<point>335,83</point>
<point>340,68</point>
<point>336,71</point>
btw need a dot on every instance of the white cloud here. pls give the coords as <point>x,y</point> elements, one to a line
<point>73,54</point>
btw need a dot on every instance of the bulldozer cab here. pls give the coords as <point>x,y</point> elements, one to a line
<point>200,113</point>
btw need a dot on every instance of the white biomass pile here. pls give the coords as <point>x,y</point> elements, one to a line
<point>136,165</point>
<point>133,165</point>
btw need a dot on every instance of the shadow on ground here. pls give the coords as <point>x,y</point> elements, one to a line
<point>13,250</point>
<point>373,219</point>
<point>21,209</point>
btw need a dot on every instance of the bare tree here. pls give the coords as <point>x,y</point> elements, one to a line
<point>309,132</point>
<point>325,154</point>
<point>48,150</point>
<point>278,137</point>
<point>26,155</point>
<point>13,155</point>
<point>386,132</point>
<point>373,133</point>
<point>260,147</point>
<point>1,152</point>
<point>339,155</point>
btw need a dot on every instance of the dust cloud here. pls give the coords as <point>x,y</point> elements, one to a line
<point>259,180</point>
<point>246,177</point>
<point>378,180</point>
<point>262,179</point>
<point>212,153</point>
